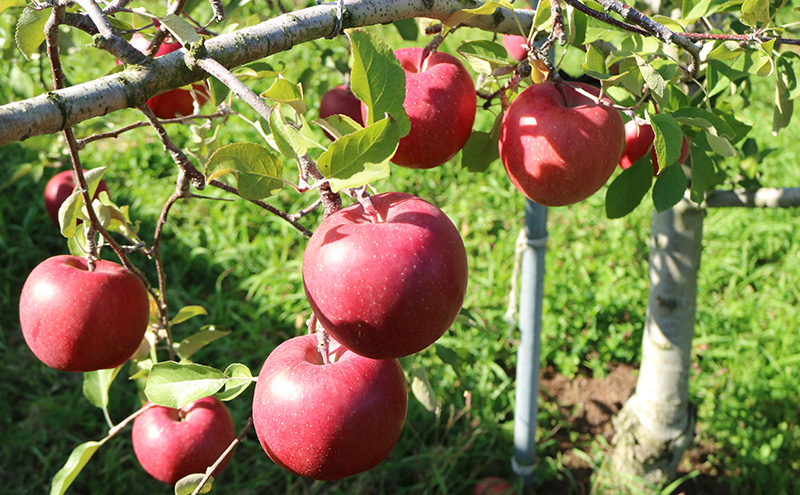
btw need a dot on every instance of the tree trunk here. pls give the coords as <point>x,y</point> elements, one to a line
<point>656,425</point>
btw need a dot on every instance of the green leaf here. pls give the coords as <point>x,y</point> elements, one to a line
<point>668,138</point>
<point>669,187</point>
<point>7,4</point>
<point>464,15</point>
<point>725,51</point>
<point>288,139</point>
<point>189,483</point>
<point>361,157</point>
<point>695,9</point>
<point>654,81</point>
<point>181,29</point>
<point>68,214</point>
<point>577,24</point>
<point>338,125</point>
<point>218,90</point>
<point>258,172</point>
<point>75,463</point>
<point>241,376</point>
<point>283,91</point>
<point>450,357</point>
<point>423,390</point>
<point>193,343</point>
<point>407,28</point>
<point>479,151</point>
<point>703,175</point>
<point>96,385</point>
<point>174,385</point>
<point>483,55</point>
<point>754,12</point>
<point>378,79</point>
<point>30,30</point>
<point>720,145</point>
<point>784,106</point>
<point>788,66</point>
<point>625,193</point>
<point>704,119</point>
<point>186,313</point>
<point>595,62</point>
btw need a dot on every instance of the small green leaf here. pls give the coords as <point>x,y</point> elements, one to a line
<point>704,119</point>
<point>193,343</point>
<point>96,385</point>
<point>703,175</point>
<point>625,193</point>
<point>654,81</point>
<point>68,214</point>
<point>695,9</point>
<point>186,313</point>
<point>669,187</point>
<point>258,172</point>
<point>483,55</point>
<point>423,390</point>
<point>75,463</point>
<point>361,157</point>
<point>181,29</point>
<point>725,51</point>
<point>241,378</point>
<point>720,145</point>
<point>754,12</point>
<point>30,30</point>
<point>788,65</point>
<point>407,28</point>
<point>464,15</point>
<point>218,90</point>
<point>288,139</point>
<point>595,61</point>
<point>784,106</point>
<point>338,125</point>
<point>668,138</point>
<point>283,91</point>
<point>189,483</point>
<point>378,79</point>
<point>174,385</point>
<point>479,151</point>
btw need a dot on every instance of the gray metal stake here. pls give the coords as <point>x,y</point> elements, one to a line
<point>530,326</point>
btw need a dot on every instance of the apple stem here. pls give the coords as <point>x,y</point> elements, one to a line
<point>323,345</point>
<point>365,201</point>
<point>209,472</point>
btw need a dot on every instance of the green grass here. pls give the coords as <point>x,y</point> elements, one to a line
<point>243,265</point>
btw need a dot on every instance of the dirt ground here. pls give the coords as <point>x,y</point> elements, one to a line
<point>588,404</point>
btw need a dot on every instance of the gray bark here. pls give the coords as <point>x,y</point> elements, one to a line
<point>656,425</point>
<point>54,111</point>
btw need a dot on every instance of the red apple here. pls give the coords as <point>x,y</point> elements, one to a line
<point>173,443</point>
<point>390,286</point>
<point>177,101</point>
<point>58,189</point>
<point>328,421</point>
<point>513,44</point>
<point>76,320</point>
<point>639,140</point>
<point>340,100</point>
<point>558,145</point>
<point>494,486</point>
<point>440,102</point>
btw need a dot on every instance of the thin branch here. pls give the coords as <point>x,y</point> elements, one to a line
<point>187,167</point>
<point>266,206</point>
<point>222,457</point>
<point>236,86</point>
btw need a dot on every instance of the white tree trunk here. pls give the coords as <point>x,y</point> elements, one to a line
<point>656,425</point>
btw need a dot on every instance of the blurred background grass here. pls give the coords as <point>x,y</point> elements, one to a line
<point>243,265</point>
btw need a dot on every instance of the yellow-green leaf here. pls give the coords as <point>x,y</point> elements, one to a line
<point>257,170</point>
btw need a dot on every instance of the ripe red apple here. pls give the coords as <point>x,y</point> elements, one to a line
<point>58,189</point>
<point>173,443</point>
<point>76,320</point>
<point>639,140</point>
<point>558,145</point>
<point>494,485</point>
<point>328,421</point>
<point>340,100</point>
<point>440,102</point>
<point>390,286</point>
<point>513,44</point>
<point>174,102</point>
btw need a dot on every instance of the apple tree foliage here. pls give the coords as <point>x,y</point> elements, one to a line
<point>686,70</point>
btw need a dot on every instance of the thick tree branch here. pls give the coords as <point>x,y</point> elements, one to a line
<point>757,198</point>
<point>52,112</point>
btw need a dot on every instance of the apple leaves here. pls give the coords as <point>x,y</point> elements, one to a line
<point>257,170</point>
<point>172,384</point>
<point>75,463</point>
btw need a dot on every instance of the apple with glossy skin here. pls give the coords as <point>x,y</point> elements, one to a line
<point>494,485</point>
<point>328,421</point>
<point>639,140</point>
<point>174,102</point>
<point>340,101</point>
<point>558,145</point>
<point>440,102</point>
<point>76,320</point>
<point>389,286</point>
<point>173,443</point>
<point>58,189</point>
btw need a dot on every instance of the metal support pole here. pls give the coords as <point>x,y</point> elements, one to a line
<point>530,325</point>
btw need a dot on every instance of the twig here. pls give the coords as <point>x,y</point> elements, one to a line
<point>187,167</point>
<point>236,86</point>
<point>222,457</point>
